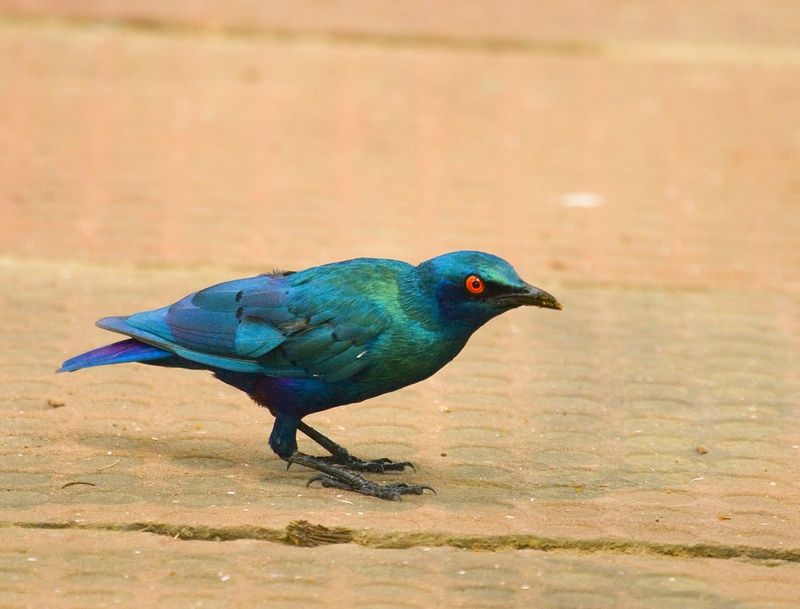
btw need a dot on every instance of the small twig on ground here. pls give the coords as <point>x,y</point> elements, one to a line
<point>107,466</point>
<point>74,483</point>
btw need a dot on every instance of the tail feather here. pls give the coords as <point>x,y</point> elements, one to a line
<point>130,350</point>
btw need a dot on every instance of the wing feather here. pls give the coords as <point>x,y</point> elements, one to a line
<point>300,325</point>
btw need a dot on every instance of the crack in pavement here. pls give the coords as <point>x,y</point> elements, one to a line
<point>305,534</point>
<point>166,26</point>
<point>638,51</point>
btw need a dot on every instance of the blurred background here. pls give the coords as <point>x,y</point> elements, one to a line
<point>637,141</point>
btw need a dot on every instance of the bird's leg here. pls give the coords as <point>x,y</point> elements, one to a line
<point>341,456</point>
<point>333,476</point>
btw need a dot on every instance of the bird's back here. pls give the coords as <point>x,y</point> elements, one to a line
<point>317,323</point>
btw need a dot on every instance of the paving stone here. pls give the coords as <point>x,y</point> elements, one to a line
<point>406,126</point>
<point>132,569</point>
<point>525,449</point>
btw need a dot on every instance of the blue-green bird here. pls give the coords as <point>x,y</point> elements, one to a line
<point>302,342</point>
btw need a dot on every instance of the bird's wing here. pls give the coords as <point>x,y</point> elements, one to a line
<point>274,325</point>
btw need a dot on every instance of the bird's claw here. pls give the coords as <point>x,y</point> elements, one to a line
<point>366,487</point>
<point>375,466</point>
<point>334,476</point>
<point>341,457</point>
<point>387,465</point>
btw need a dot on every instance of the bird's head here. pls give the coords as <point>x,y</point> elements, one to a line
<point>473,287</point>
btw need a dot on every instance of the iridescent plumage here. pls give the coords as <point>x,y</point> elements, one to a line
<point>303,342</point>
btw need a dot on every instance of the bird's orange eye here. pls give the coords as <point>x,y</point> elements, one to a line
<point>474,284</point>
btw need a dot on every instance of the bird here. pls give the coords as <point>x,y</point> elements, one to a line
<point>303,342</point>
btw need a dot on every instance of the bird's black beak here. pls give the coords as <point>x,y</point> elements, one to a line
<point>529,296</point>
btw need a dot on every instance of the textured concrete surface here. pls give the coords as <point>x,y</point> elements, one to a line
<point>231,150</point>
<point>639,448</point>
<point>595,422</point>
<point>92,569</point>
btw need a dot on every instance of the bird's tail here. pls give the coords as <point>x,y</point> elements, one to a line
<point>130,350</point>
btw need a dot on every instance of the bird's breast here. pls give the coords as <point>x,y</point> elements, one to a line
<point>404,359</point>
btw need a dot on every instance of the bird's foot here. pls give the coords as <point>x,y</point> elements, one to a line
<point>343,458</point>
<point>365,487</point>
<point>333,476</point>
